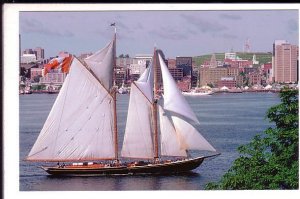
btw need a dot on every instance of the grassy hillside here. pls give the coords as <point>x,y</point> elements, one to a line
<point>261,57</point>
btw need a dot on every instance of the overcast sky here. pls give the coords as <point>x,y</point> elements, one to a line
<point>177,33</point>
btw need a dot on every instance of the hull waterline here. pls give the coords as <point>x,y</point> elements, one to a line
<point>159,168</point>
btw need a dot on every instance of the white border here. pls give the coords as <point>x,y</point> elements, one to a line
<point>11,99</point>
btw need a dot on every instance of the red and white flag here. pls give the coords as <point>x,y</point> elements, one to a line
<point>59,62</point>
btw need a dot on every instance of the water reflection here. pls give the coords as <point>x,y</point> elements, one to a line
<point>116,183</point>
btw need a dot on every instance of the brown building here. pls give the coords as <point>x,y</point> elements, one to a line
<point>285,62</point>
<point>211,75</point>
<point>228,82</point>
<point>254,78</point>
<point>177,73</point>
<point>35,74</point>
<point>233,71</point>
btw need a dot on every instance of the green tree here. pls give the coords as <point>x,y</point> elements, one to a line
<point>38,87</point>
<point>270,160</point>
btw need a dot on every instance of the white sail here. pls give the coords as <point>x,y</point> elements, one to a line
<point>145,83</point>
<point>169,138</point>
<point>101,63</point>
<point>173,99</point>
<point>138,141</point>
<point>190,138</point>
<point>79,126</point>
<point>179,111</point>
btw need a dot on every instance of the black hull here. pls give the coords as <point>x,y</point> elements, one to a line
<point>160,168</point>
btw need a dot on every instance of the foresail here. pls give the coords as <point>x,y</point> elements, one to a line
<point>79,126</point>
<point>173,99</point>
<point>170,139</point>
<point>137,139</point>
<point>190,138</point>
<point>179,112</point>
<point>101,63</point>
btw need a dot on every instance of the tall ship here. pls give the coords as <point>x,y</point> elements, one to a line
<point>81,134</point>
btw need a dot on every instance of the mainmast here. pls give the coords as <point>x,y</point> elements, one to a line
<point>114,95</point>
<point>154,106</point>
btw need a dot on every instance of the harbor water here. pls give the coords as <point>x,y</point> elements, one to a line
<point>226,121</point>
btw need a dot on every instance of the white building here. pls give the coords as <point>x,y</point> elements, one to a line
<point>140,63</point>
<point>230,55</point>
<point>55,77</point>
<point>28,58</point>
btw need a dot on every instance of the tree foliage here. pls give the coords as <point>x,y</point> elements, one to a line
<point>270,160</point>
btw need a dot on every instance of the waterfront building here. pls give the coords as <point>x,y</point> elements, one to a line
<point>186,64</point>
<point>211,75</point>
<point>54,77</point>
<point>185,84</point>
<point>229,82</point>
<point>267,70</point>
<point>254,78</point>
<point>35,74</point>
<point>285,57</point>
<point>177,73</point>
<point>28,58</point>
<point>121,75</point>
<point>124,62</point>
<point>138,64</point>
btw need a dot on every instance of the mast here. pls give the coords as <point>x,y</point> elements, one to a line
<point>154,106</point>
<point>115,97</point>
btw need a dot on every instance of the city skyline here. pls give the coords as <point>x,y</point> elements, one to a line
<point>177,33</point>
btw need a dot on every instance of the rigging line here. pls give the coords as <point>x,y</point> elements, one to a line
<point>142,92</point>
<point>94,75</point>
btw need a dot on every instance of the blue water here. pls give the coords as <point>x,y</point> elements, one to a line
<point>226,121</point>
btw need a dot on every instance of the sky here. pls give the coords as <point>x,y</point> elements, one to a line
<point>177,33</point>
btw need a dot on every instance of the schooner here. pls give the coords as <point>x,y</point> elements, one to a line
<point>81,127</point>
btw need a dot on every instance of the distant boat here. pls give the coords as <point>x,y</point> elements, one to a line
<point>123,89</point>
<point>198,92</point>
<point>82,124</point>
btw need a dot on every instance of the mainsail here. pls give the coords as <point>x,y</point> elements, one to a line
<point>80,123</point>
<point>178,113</point>
<point>138,133</point>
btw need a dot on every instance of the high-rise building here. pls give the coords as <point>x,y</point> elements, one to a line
<point>28,51</point>
<point>285,57</point>
<point>39,53</point>
<point>186,64</point>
